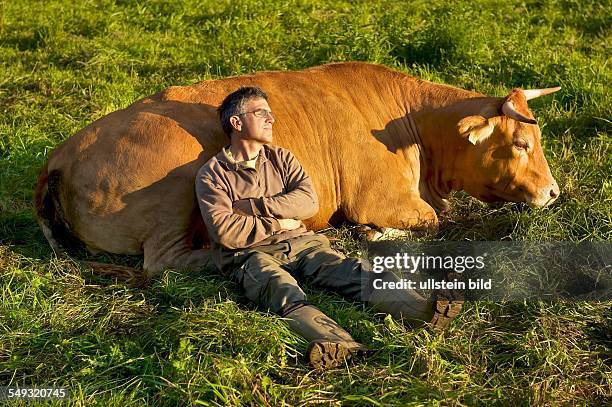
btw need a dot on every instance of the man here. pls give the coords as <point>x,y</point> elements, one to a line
<point>253,196</point>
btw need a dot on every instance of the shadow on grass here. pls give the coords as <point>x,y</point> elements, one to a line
<point>477,228</point>
<point>21,232</point>
<point>600,332</point>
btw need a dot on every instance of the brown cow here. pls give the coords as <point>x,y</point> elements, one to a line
<point>383,149</point>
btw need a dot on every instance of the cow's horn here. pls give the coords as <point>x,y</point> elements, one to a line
<point>535,93</point>
<point>509,110</point>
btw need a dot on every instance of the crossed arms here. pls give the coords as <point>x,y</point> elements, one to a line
<point>245,222</point>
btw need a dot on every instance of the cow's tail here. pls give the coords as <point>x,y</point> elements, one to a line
<point>49,211</point>
<point>57,231</point>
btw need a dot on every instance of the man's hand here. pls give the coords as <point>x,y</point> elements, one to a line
<point>289,224</point>
<point>243,207</point>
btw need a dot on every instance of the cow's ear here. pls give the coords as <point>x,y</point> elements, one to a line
<point>475,128</point>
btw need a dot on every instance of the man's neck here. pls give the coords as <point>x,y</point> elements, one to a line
<point>244,150</point>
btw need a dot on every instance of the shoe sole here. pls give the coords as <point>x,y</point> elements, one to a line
<point>325,355</point>
<point>444,313</point>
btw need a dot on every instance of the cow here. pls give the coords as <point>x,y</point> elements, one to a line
<point>383,149</point>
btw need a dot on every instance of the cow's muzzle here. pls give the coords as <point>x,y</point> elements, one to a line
<point>547,196</point>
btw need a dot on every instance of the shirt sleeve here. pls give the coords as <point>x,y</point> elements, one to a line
<point>231,230</point>
<point>299,202</point>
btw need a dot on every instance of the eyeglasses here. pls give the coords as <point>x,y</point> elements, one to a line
<point>259,113</point>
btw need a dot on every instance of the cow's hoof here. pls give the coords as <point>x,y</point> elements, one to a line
<point>378,234</point>
<point>392,234</point>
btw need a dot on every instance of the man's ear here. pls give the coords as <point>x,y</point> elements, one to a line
<point>475,128</point>
<point>236,123</point>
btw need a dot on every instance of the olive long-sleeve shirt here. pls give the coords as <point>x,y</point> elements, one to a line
<point>277,188</point>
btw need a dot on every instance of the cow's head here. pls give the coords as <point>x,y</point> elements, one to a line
<point>504,158</point>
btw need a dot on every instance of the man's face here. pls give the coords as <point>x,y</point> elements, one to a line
<point>256,121</point>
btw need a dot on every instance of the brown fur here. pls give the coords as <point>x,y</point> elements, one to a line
<point>382,149</point>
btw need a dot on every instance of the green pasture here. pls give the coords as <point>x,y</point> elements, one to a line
<point>192,339</point>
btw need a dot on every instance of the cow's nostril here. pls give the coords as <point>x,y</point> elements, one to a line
<point>553,193</point>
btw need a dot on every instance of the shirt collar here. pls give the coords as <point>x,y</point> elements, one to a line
<point>225,157</point>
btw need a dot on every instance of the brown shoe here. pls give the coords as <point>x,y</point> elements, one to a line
<point>447,305</point>
<point>444,313</point>
<point>324,355</point>
<point>413,309</point>
<point>330,345</point>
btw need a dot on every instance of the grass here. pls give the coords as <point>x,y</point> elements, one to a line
<point>192,338</point>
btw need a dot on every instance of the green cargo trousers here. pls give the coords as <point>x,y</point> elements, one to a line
<point>269,274</point>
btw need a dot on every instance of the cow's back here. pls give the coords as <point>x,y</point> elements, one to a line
<point>130,174</point>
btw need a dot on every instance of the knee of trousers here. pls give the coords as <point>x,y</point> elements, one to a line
<point>266,283</point>
<point>324,257</point>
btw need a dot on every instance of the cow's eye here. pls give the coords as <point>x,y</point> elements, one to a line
<point>521,144</point>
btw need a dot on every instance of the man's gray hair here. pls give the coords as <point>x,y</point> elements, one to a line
<point>234,104</point>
